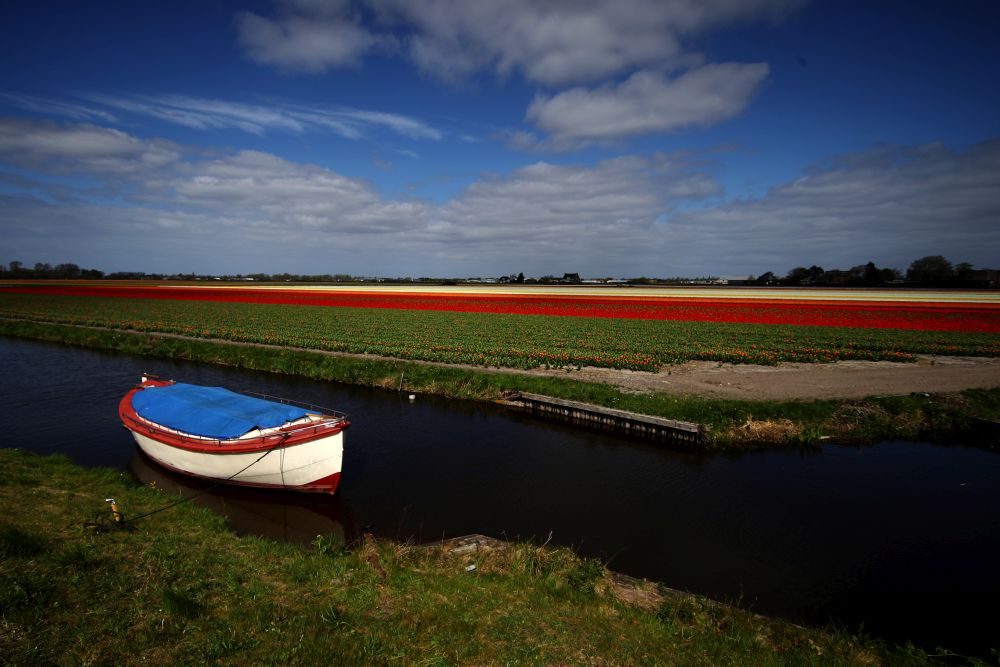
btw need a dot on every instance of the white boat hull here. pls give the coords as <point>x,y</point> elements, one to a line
<point>311,465</point>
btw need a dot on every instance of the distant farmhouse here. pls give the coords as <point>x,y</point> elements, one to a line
<point>985,277</point>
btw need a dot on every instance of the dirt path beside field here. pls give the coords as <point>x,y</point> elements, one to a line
<point>845,379</point>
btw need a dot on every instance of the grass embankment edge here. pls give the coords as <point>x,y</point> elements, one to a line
<point>181,588</point>
<point>729,424</point>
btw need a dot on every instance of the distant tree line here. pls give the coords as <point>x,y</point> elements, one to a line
<point>69,271</point>
<point>930,271</point>
<point>47,271</point>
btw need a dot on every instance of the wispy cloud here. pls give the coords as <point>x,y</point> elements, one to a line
<point>212,114</point>
<point>203,114</point>
<point>351,123</point>
<point>58,108</point>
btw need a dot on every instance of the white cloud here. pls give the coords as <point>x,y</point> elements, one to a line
<point>891,204</point>
<point>551,42</point>
<point>246,211</point>
<point>212,212</point>
<point>548,218</point>
<point>81,148</point>
<point>695,186</point>
<point>264,185</point>
<point>309,36</point>
<point>235,202</point>
<point>648,102</point>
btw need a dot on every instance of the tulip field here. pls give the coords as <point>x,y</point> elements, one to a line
<point>525,328</point>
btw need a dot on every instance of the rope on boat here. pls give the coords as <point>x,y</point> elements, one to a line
<point>118,521</point>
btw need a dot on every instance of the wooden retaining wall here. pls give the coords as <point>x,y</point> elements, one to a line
<point>610,419</point>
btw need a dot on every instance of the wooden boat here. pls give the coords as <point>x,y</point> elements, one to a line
<point>237,438</point>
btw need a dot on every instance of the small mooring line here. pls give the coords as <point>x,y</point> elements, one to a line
<point>611,419</point>
<point>121,522</point>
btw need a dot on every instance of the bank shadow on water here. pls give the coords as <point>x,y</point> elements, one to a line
<point>900,538</point>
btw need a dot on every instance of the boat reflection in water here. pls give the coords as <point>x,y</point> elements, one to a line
<point>276,514</point>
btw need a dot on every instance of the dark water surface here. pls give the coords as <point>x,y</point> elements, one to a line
<point>902,538</point>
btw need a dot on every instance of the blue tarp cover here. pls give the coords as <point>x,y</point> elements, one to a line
<point>211,412</point>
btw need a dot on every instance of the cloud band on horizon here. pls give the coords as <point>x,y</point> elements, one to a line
<point>621,215</point>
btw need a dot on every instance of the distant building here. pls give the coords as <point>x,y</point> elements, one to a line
<point>985,277</point>
<point>571,278</point>
<point>706,281</point>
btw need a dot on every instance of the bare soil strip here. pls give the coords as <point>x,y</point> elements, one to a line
<point>791,381</point>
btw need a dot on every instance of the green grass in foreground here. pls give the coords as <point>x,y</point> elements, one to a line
<point>731,424</point>
<point>180,588</point>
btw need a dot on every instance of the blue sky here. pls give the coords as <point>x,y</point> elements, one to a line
<point>447,138</point>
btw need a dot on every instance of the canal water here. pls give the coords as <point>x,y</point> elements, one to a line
<point>901,539</point>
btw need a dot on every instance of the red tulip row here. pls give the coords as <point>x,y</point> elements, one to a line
<point>921,316</point>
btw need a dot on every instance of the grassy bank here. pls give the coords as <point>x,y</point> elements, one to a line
<point>731,424</point>
<point>180,588</point>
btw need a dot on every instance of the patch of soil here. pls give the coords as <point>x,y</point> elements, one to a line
<point>789,381</point>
